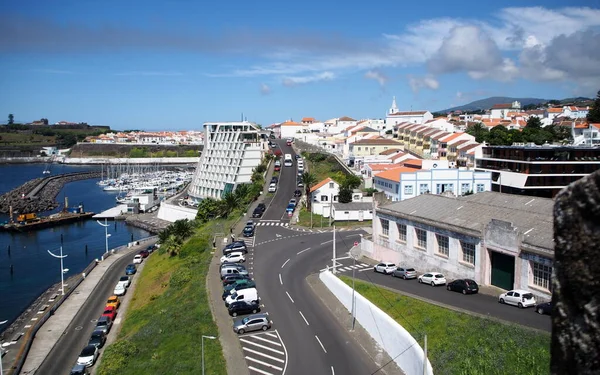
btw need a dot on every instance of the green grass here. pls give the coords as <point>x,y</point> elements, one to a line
<point>304,221</point>
<point>462,344</point>
<point>323,169</point>
<point>169,311</point>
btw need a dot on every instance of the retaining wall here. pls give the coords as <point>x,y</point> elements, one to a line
<point>172,213</point>
<point>390,335</point>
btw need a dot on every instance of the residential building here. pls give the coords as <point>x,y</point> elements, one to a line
<point>575,112</point>
<point>501,110</point>
<point>369,147</point>
<point>495,239</point>
<point>353,211</point>
<point>394,116</point>
<point>322,195</point>
<point>585,133</point>
<point>231,151</point>
<point>404,182</point>
<point>536,170</point>
<point>289,129</point>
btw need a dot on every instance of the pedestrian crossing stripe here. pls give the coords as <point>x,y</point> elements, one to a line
<point>350,268</point>
<point>265,224</point>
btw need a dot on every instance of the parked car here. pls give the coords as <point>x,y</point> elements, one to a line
<point>235,246</point>
<point>138,259</point>
<point>385,267</point>
<point>242,308</point>
<point>88,356</point>
<point>131,269</point>
<point>110,311</point>
<point>150,249</point>
<point>125,280</point>
<point>234,257</point>
<point>98,339</point>
<point>259,210</point>
<point>290,208</point>
<point>433,278</point>
<point>274,180</point>
<point>250,223</point>
<point>252,323</point>
<point>544,308</point>
<point>517,297</point>
<point>229,289</point>
<point>230,279</point>
<point>464,286</point>
<point>120,290</point>
<point>300,183</point>
<point>298,193</point>
<point>104,324</point>
<point>405,273</point>
<point>278,163</point>
<point>277,168</point>
<point>232,271</point>
<point>298,156</point>
<point>239,266</point>
<point>144,253</point>
<point>79,370</point>
<point>272,187</point>
<point>293,201</point>
<point>248,231</point>
<point>113,301</point>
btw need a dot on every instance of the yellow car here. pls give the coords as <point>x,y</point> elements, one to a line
<point>113,301</point>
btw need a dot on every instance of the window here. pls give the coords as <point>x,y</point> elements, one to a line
<point>468,252</point>
<point>385,227</point>
<point>331,185</point>
<point>480,188</point>
<point>423,188</point>
<point>443,244</point>
<point>464,188</point>
<point>324,198</point>
<point>541,275</point>
<point>408,189</point>
<point>444,187</point>
<point>421,238</point>
<point>401,232</point>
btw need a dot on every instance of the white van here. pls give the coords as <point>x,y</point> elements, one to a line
<point>232,270</point>
<point>247,295</point>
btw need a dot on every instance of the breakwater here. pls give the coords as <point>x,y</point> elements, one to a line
<point>39,195</point>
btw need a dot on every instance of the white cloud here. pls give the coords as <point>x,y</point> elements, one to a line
<point>265,89</point>
<point>299,80</point>
<point>377,76</point>
<point>426,82</point>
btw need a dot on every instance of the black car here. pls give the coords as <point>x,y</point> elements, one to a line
<point>298,156</point>
<point>259,210</point>
<point>98,339</point>
<point>464,286</point>
<point>298,193</point>
<point>274,179</point>
<point>248,231</point>
<point>239,266</point>
<point>230,279</point>
<point>79,370</point>
<point>544,308</point>
<point>235,246</point>
<point>243,307</point>
<point>228,288</point>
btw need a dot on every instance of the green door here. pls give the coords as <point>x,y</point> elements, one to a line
<point>503,270</point>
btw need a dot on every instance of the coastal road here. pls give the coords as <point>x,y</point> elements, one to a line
<point>285,187</point>
<point>64,354</point>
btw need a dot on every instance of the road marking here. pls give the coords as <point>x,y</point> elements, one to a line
<point>28,326</point>
<point>342,258</point>
<point>365,265</point>
<point>286,262</point>
<point>281,281</point>
<point>265,340</point>
<point>352,235</point>
<point>332,371</point>
<point>262,346</point>
<point>263,354</point>
<point>271,334</point>
<point>326,242</point>
<point>34,319</point>
<point>305,321</point>
<point>264,363</point>
<point>300,252</point>
<point>322,347</point>
<point>364,269</point>
<point>290,297</point>
<point>261,371</point>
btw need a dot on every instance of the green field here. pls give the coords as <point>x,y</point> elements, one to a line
<point>168,314</point>
<point>461,344</point>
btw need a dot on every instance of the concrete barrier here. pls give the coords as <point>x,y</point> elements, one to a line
<point>391,336</point>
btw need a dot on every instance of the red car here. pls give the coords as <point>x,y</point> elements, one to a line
<point>144,253</point>
<point>110,311</point>
<point>277,168</point>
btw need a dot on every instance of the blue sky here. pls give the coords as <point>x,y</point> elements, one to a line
<point>176,64</point>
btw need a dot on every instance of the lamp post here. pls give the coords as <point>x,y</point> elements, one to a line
<point>2,350</point>
<point>62,269</point>
<point>106,235</point>
<point>202,339</point>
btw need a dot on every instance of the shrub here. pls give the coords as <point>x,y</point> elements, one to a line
<point>116,356</point>
<point>180,277</point>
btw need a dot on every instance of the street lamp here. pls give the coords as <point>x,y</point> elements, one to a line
<point>62,269</point>
<point>2,350</point>
<point>202,339</point>
<point>106,235</point>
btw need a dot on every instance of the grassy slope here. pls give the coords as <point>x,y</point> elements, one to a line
<point>460,343</point>
<point>167,316</point>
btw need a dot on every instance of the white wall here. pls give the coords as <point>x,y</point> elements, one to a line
<point>172,213</point>
<point>352,215</point>
<point>390,335</point>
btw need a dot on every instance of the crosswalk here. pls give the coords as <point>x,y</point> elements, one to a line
<point>264,352</point>
<point>358,267</point>
<point>272,224</point>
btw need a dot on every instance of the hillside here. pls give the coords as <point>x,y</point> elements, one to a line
<point>487,103</point>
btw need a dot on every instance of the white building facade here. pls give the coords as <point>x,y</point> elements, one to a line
<point>231,152</point>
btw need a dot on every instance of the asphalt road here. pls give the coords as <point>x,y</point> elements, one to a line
<point>285,187</point>
<point>64,354</point>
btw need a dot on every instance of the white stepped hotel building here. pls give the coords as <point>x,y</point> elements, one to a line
<point>231,151</point>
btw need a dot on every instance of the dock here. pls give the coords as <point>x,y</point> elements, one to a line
<point>112,213</point>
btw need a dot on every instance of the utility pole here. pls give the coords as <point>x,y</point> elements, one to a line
<point>333,250</point>
<point>425,356</point>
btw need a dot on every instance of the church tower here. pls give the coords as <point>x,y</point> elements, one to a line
<point>394,107</point>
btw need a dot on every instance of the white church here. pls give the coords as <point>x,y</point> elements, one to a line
<point>395,116</point>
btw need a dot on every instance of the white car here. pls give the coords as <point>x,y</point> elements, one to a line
<point>272,188</point>
<point>120,289</point>
<point>234,257</point>
<point>125,280</point>
<point>385,267</point>
<point>88,356</point>
<point>518,297</point>
<point>433,278</point>
<point>138,259</point>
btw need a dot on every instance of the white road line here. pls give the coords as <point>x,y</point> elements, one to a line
<point>271,334</point>
<point>342,258</point>
<point>285,350</point>
<point>290,297</point>
<point>264,363</point>
<point>326,242</point>
<point>352,235</point>
<point>364,269</point>
<point>281,281</point>
<point>261,371</point>
<point>332,371</point>
<point>300,252</point>
<point>262,346</point>
<point>284,263</point>
<point>265,340</point>
<point>345,269</point>
<point>365,265</point>
<point>305,321</point>
<point>322,347</point>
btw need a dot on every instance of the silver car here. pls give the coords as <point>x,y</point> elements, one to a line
<point>253,322</point>
<point>405,273</point>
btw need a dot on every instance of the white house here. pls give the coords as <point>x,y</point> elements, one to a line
<point>322,196</point>
<point>289,129</point>
<point>502,110</point>
<point>575,112</point>
<point>353,211</point>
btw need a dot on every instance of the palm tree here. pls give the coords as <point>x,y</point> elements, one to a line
<point>183,229</point>
<point>242,191</point>
<point>309,180</point>
<point>172,245</point>
<point>230,202</point>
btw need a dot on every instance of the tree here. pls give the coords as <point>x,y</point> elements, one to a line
<point>479,131</point>
<point>229,203</point>
<point>182,229</point>
<point>593,115</point>
<point>499,136</point>
<point>309,180</point>
<point>345,195</point>
<point>351,182</point>
<point>242,191</point>
<point>533,123</point>
<point>11,119</point>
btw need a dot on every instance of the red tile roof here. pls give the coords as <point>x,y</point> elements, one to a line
<point>377,142</point>
<point>346,118</point>
<point>321,184</point>
<point>390,151</point>
<point>410,113</point>
<point>394,174</point>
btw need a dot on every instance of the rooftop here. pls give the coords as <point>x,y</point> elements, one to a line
<point>394,174</point>
<point>353,206</point>
<point>377,142</point>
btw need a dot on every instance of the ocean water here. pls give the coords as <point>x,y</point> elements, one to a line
<point>33,269</point>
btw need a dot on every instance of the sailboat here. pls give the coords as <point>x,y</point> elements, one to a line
<point>48,166</point>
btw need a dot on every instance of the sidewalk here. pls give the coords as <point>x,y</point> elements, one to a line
<point>48,336</point>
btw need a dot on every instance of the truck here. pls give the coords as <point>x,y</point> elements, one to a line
<point>27,218</point>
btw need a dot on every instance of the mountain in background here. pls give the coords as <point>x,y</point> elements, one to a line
<point>488,103</point>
